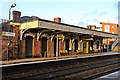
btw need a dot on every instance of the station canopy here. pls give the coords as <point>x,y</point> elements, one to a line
<point>33,22</point>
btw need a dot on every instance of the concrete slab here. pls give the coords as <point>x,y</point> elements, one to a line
<point>112,76</point>
<point>48,59</point>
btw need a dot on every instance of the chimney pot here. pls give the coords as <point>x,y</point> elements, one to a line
<point>91,26</point>
<point>58,19</point>
<point>16,14</point>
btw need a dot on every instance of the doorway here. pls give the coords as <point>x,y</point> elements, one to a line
<point>76,45</point>
<point>44,47</point>
<point>29,41</point>
<point>67,45</point>
<point>86,47</point>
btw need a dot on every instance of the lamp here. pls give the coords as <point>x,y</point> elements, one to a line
<point>12,6</point>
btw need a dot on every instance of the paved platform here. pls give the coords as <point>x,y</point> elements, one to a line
<point>47,59</point>
<point>112,76</point>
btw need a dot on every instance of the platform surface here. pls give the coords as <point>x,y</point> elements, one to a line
<point>112,76</point>
<point>48,59</point>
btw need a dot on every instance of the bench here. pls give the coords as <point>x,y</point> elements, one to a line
<point>79,51</point>
<point>63,52</point>
<point>95,50</point>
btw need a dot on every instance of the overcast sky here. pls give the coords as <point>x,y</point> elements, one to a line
<point>75,12</point>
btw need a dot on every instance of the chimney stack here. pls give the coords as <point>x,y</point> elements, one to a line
<point>16,14</point>
<point>91,27</point>
<point>58,19</point>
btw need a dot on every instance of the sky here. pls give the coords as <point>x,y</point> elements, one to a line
<point>74,12</point>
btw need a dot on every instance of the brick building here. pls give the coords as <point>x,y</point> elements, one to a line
<point>9,44</point>
<point>109,27</point>
<point>35,37</point>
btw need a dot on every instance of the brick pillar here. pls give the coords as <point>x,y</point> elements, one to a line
<point>37,49</point>
<point>33,47</point>
<point>50,48</point>
<point>17,32</point>
<point>79,44</point>
<point>71,46</point>
<point>14,53</point>
<point>22,49</point>
<point>40,47</point>
<point>61,45</point>
<point>4,49</point>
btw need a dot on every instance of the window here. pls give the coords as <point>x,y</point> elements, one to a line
<point>112,26</point>
<point>107,28</point>
<point>113,32</point>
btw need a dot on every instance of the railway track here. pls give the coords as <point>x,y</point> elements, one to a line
<point>63,70</point>
<point>90,74</point>
<point>73,70</point>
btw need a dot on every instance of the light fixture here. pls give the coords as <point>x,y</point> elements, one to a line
<point>13,5</point>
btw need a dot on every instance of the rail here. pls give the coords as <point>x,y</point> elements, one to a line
<point>56,74</point>
<point>114,43</point>
<point>51,70</point>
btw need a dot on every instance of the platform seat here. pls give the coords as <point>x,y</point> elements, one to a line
<point>79,51</point>
<point>95,50</point>
<point>63,52</point>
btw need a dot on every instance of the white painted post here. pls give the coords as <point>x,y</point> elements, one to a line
<point>57,47</point>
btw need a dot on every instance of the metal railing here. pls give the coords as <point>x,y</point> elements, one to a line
<point>114,43</point>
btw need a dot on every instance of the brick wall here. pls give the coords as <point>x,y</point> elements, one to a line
<point>37,48</point>
<point>15,42</point>
<point>4,48</point>
<point>112,29</point>
<point>22,49</point>
<point>61,45</point>
<point>50,48</point>
<point>17,32</point>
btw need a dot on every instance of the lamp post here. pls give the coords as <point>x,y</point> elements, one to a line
<point>12,6</point>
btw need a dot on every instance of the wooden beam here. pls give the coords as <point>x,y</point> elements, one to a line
<point>70,28</point>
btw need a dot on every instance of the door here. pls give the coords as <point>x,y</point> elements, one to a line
<point>76,45</point>
<point>29,41</point>
<point>86,47</point>
<point>55,45</point>
<point>44,46</point>
<point>67,45</point>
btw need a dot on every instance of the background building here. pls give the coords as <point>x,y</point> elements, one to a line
<point>98,28</point>
<point>109,27</point>
<point>3,20</point>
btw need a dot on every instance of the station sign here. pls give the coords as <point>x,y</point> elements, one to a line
<point>8,34</point>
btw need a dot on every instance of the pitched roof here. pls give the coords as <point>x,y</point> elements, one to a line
<point>26,19</point>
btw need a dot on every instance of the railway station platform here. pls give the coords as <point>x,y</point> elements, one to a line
<point>111,76</point>
<point>48,59</point>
